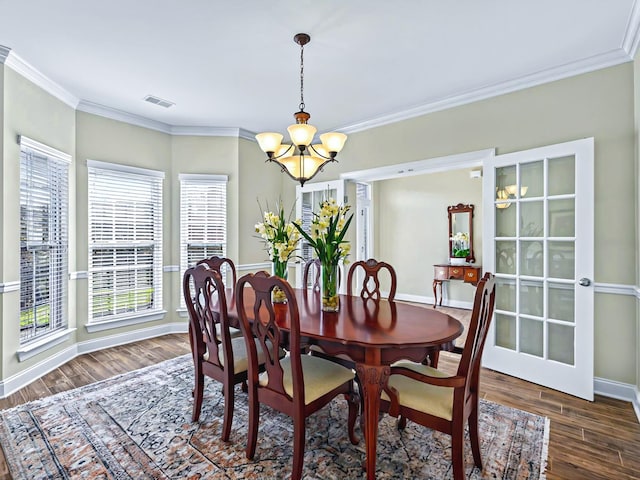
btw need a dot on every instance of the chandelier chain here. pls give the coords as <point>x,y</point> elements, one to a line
<point>301,106</point>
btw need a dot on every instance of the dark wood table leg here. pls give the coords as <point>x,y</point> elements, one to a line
<point>372,378</point>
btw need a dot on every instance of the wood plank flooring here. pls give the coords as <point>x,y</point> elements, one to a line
<point>588,440</point>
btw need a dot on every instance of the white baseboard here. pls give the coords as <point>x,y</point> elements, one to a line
<point>25,377</point>
<point>429,300</point>
<point>618,390</point>
<point>130,337</point>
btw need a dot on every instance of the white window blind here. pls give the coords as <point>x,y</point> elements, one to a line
<point>203,218</point>
<point>125,241</point>
<point>44,206</point>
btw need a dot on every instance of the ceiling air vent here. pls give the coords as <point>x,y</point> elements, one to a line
<point>158,101</point>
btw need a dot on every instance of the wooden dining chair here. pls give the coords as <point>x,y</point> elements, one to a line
<point>297,385</point>
<point>370,286</point>
<point>427,396</point>
<point>312,267</point>
<point>215,353</point>
<point>222,265</point>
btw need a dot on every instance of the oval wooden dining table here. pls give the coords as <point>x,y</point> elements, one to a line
<point>374,334</point>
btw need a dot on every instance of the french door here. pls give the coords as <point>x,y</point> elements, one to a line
<point>308,201</point>
<point>538,222</point>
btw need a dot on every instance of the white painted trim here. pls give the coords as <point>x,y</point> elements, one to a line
<point>32,74</point>
<point>45,343</point>
<point>122,116</point>
<point>118,167</point>
<point>182,312</point>
<point>632,33</point>
<point>124,322</point>
<point>247,135</point>
<point>618,390</point>
<point>4,53</point>
<point>615,288</point>
<point>171,268</point>
<point>25,377</point>
<point>196,131</point>
<point>420,167</point>
<point>590,64</point>
<point>78,275</point>
<point>430,300</point>
<point>177,130</point>
<point>10,286</point>
<point>254,266</point>
<point>130,337</point>
<point>202,177</point>
<point>43,149</point>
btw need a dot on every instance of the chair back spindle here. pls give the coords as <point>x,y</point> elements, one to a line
<point>264,328</point>
<point>206,304</point>
<point>370,286</point>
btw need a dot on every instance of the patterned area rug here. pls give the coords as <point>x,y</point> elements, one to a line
<point>138,425</point>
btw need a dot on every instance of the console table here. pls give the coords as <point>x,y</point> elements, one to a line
<point>445,272</point>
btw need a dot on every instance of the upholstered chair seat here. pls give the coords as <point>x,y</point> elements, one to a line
<point>320,377</point>
<point>423,397</point>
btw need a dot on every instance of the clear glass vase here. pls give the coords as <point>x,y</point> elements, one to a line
<point>279,269</point>
<point>329,287</point>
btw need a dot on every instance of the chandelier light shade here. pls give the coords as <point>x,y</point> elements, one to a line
<point>301,159</point>
<point>506,194</point>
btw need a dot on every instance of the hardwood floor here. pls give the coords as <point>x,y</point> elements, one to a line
<point>588,440</point>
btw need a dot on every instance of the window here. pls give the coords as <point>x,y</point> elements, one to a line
<point>44,207</point>
<point>125,241</point>
<point>203,218</point>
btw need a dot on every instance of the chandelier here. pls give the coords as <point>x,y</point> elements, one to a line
<point>301,160</point>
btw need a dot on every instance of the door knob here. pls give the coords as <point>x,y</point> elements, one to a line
<point>585,282</point>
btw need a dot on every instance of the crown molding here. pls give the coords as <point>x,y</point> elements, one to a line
<point>632,33</point>
<point>178,130</point>
<point>31,73</point>
<point>4,53</point>
<point>213,132</point>
<point>122,116</point>
<point>596,62</point>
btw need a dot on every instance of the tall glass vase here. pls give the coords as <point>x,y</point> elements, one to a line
<point>329,287</point>
<point>279,269</point>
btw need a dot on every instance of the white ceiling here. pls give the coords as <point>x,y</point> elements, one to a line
<point>234,63</point>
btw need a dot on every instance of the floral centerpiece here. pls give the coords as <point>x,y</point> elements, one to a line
<point>460,245</point>
<point>326,237</point>
<point>280,237</point>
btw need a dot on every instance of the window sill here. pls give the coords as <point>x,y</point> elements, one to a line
<point>34,348</point>
<point>182,313</point>
<point>125,321</point>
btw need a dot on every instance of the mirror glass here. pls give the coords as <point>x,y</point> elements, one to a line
<point>461,233</point>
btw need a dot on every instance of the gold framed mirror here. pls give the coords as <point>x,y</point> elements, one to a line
<point>461,233</point>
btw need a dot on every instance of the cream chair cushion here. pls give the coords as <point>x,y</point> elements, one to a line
<point>431,399</point>
<point>240,355</point>
<point>320,376</point>
<point>233,332</point>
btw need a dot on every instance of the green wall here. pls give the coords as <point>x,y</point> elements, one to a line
<point>28,110</point>
<point>598,104</point>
